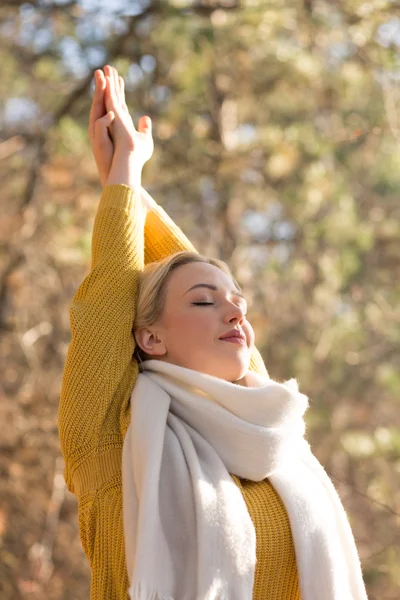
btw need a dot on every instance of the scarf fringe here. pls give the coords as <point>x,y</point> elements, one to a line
<point>140,591</point>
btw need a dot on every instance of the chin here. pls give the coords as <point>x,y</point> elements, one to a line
<point>227,366</point>
<point>234,369</point>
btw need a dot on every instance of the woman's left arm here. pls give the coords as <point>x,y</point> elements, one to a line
<point>162,236</point>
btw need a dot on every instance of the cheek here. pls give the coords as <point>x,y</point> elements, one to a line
<point>250,334</point>
<point>191,328</point>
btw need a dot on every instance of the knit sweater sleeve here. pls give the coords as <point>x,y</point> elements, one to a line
<point>162,238</point>
<point>99,371</point>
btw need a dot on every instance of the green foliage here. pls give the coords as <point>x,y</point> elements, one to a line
<point>72,137</point>
<point>277,149</point>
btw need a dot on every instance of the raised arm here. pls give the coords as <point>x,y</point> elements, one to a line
<point>162,237</point>
<point>99,361</point>
<point>100,371</point>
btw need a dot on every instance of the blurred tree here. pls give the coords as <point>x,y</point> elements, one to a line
<point>277,129</point>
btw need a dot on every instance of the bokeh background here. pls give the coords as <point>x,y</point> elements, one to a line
<point>277,149</point>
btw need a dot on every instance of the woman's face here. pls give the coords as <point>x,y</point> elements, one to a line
<point>202,304</point>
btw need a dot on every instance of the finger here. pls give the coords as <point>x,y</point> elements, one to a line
<point>108,118</point>
<point>108,77</point>
<point>112,99</point>
<point>107,70</point>
<point>110,96</point>
<point>102,125</point>
<point>118,88</point>
<point>122,88</point>
<point>116,84</point>
<point>97,109</point>
<point>145,125</point>
<point>102,79</point>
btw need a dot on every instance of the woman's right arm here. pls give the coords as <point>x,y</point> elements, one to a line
<point>100,370</point>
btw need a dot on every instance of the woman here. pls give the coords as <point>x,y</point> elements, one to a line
<point>193,476</point>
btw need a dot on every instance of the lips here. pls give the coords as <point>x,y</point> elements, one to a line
<point>235,340</point>
<point>234,335</point>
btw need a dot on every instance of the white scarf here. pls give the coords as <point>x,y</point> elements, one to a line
<point>188,533</point>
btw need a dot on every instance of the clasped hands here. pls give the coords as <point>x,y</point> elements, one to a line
<point>119,149</point>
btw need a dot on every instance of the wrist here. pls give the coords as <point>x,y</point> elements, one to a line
<point>148,201</point>
<point>127,169</point>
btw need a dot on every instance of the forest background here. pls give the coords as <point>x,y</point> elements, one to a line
<point>277,148</point>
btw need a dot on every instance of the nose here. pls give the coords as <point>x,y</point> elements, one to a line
<point>234,313</point>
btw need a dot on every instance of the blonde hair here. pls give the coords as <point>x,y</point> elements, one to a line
<point>152,288</point>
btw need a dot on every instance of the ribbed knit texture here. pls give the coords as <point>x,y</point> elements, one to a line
<point>94,412</point>
<point>275,576</point>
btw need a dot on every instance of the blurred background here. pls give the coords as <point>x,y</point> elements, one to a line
<point>277,149</point>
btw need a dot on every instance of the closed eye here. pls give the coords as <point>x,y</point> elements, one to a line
<point>208,304</point>
<point>202,303</point>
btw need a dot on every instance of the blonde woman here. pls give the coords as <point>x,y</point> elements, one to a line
<point>190,466</point>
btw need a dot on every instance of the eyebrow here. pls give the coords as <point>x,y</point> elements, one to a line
<point>214,288</point>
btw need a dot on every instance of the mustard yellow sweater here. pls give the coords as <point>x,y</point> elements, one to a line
<point>94,411</point>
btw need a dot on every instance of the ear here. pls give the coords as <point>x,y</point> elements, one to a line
<point>150,342</point>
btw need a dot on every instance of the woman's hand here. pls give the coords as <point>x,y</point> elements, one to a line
<point>99,123</point>
<point>125,137</point>
<point>112,133</point>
